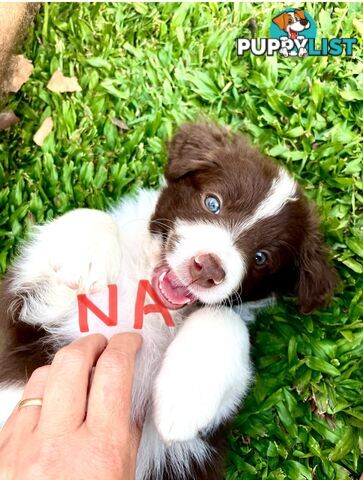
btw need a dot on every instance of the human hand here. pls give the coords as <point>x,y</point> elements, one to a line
<point>83,429</point>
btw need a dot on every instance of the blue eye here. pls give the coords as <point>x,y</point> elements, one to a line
<point>261,258</point>
<point>212,203</point>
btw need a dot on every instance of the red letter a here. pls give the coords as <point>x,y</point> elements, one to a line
<point>141,309</point>
<point>84,303</point>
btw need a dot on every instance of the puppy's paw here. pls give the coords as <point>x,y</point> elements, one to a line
<point>175,423</point>
<point>181,411</point>
<point>88,269</point>
<point>84,250</point>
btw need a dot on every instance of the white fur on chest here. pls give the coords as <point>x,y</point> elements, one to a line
<point>140,252</point>
<point>202,364</point>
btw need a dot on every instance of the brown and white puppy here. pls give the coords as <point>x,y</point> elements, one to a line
<point>293,23</point>
<point>268,220</point>
<point>230,227</point>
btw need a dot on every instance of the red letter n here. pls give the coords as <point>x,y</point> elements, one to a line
<point>141,309</point>
<point>84,304</point>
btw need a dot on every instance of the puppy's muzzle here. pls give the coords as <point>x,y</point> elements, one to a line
<point>206,270</point>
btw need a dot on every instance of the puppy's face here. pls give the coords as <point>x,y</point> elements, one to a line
<point>292,22</point>
<point>234,226</point>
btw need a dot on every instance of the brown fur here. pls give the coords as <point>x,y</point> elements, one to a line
<point>24,347</point>
<point>206,159</point>
<point>282,20</point>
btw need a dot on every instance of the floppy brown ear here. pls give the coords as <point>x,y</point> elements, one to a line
<point>280,21</point>
<point>193,148</point>
<point>316,278</point>
<point>300,13</point>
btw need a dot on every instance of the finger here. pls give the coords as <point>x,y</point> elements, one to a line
<point>110,395</point>
<point>65,396</point>
<point>27,418</point>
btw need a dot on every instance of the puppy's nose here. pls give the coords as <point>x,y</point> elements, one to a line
<point>304,22</point>
<point>206,270</point>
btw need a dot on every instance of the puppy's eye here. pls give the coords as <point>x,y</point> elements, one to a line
<point>289,20</point>
<point>212,203</point>
<point>261,258</point>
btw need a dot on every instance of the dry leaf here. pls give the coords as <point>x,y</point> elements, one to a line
<point>21,70</point>
<point>43,131</point>
<point>121,125</point>
<point>7,119</point>
<point>60,83</point>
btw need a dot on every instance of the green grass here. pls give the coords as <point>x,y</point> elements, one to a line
<point>153,66</point>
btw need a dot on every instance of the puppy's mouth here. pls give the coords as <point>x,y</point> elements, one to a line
<point>293,33</point>
<point>169,289</point>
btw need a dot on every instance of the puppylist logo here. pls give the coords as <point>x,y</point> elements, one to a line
<point>293,34</point>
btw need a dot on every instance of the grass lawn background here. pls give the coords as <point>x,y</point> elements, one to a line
<point>153,66</point>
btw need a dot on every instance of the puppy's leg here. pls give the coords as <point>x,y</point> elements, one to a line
<point>302,52</point>
<point>204,376</point>
<point>81,249</point>
<point>284,50</point>
<point>78,252</point>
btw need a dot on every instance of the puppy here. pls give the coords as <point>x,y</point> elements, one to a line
<point>230,227</point>
<point>292,23</point>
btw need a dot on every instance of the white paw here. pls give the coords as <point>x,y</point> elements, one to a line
<point>302,52</point>
<point>84,250</point>
<point>88,269</point>
<point>205,373</point>
<point>181,413</point>
<point>174,425</point>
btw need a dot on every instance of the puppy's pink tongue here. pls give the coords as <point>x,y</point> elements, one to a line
<point>173,290</point>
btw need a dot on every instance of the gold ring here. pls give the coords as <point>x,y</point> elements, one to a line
<point>30,402</point>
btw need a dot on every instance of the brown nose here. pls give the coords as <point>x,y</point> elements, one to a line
<point>206,270</point>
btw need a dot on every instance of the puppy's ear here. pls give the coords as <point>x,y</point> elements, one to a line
<point>280,21</point>
<point>316,278</point>
<point>300,14</point>
<point>193,148</point>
